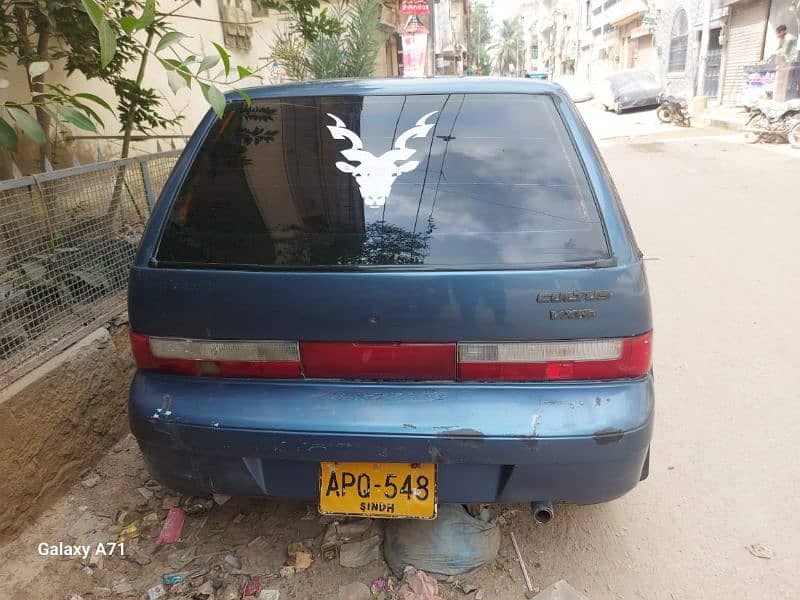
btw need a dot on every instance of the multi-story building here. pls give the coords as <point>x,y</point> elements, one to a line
<point>741,37</point>
<point>551,36</point>
<point>451,22</point>
<point>241,26</point>
<point>616,35</point>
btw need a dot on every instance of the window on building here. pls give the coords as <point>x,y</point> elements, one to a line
<point>587,14</point>
<point>678,43</point>
<point>258,9</point>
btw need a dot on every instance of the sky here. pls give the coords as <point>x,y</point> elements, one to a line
<point>501,9</point>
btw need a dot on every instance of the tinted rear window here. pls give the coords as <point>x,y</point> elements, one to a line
<point>451,181</point>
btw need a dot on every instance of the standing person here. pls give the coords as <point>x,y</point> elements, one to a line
<point>787,43</point>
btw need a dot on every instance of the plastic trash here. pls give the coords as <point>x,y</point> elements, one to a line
<point>130,532</point>
<point>234,561</point>
<point>299,556</point>
<point>359,554</point>
<point>252,587</point>
<point>156,592</point>
<point>418,585</point>
<point>452,544</point>
<point>174,578</point>
<point>173,526</point>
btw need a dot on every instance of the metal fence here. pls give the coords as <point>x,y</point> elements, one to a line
<point>67,239</point>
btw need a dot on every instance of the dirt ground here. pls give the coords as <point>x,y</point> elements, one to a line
<point>256,531</point>
<point>718,516</point>
<point>71,412</point>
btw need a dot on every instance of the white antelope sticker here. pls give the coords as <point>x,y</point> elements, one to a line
<point>376,174</point>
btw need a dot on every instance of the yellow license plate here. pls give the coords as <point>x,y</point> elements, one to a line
<point>383,490</point>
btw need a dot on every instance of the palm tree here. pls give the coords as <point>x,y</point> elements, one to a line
<point>510,49</point>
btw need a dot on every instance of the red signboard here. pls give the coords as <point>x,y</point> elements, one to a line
<point>414,48</point>
<point>414,7</point>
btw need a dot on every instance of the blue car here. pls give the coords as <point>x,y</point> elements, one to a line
<point>384,295</point>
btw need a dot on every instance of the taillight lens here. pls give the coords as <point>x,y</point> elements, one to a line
<point>551,361</point>
<point>216,358</point>
<point>387,361</point>
<point>465,361</point>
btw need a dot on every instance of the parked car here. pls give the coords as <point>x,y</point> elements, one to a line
<point>388,294</point>
<point>633,88</point>
<point>578,88</point>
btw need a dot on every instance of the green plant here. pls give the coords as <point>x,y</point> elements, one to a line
<point>510,47</point>
<point>350,52</point>
<point>480,37</point>
<point>103,39</point>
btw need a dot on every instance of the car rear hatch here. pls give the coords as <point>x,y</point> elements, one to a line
<point>437,237</point>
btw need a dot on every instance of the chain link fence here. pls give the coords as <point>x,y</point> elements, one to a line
<point>67,240</point>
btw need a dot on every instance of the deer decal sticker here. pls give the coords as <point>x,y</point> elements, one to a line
<point>376,174</point>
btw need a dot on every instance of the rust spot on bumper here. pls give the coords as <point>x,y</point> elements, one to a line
<point>608,435</point>
<point>468,437</point>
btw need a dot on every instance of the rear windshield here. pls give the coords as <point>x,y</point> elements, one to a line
<point>451,181</point>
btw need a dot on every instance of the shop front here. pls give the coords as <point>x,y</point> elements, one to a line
<point>760,62</point>
<point>782,48</point>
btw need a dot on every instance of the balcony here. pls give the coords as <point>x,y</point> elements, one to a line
<point>625,10</point>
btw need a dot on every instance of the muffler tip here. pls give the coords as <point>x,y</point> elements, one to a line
<point>542,511</point>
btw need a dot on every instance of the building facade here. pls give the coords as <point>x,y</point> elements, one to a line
<point>594,38</point>
<point>246,31</point>
<point>451,22</point>
<point>618,35</point>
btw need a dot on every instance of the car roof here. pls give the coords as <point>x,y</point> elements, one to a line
<point>405,86</point>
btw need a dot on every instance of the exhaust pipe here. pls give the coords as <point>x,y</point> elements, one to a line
<point>542,511</point>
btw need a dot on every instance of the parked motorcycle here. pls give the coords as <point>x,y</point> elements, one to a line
<point>674,109</point>
<point>774,122</point>
<point>793,137</point>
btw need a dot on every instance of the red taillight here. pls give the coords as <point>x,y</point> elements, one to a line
<point>388,361</point>
<point>465,361</point>
<point>555,361</point>
<point>216,358</point>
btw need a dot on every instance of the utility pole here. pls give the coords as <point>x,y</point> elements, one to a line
<point>432,38</point>
<point>478,49</point>
<point>700,85</point>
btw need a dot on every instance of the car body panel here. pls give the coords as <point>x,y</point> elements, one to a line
<point>599,431</point>
<point>633,88</point>
<point>407,306</point>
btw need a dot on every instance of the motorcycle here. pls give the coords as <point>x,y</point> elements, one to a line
<point>674,109</point>
<point>774,122</point>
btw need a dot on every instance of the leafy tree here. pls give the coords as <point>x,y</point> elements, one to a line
<point>388,244</point>
<point>480,37</point>
<point>99,39</point>
<point>310,22</point>
<point>510,47</point>
<point>38,33</point>
<point>349,52</point>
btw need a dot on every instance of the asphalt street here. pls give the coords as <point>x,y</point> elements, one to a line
<point>717,221</point>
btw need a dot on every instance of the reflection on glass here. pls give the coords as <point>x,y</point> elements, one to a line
<point>496,182</point>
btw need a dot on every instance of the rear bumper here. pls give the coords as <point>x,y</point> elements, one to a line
<point>580,442</point>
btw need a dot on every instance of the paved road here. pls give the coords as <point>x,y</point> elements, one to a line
<point>607,124</point>
<point>718,222</point>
